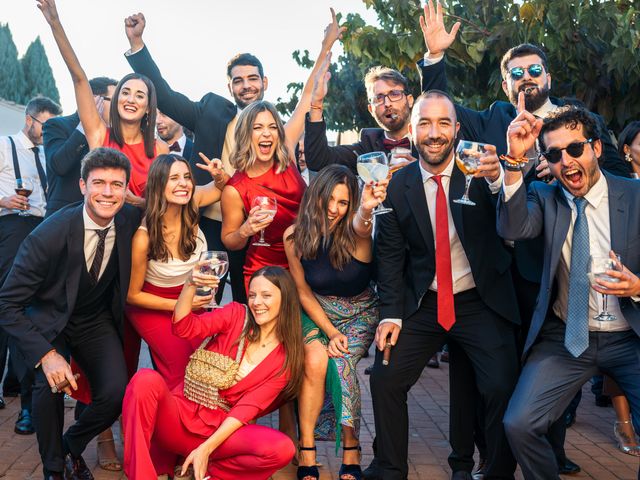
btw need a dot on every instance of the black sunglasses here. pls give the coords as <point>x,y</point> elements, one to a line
<point>575,149</point>
<point>534,70</point>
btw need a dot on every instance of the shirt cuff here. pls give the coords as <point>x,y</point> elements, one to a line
<point>497,185</point>
<point>132,52</point>
<point>635,298</point>
<point>397,321</point>
<point>432,61</point>
<point>510,190</point>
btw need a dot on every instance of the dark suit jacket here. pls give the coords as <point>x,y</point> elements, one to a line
<point>405,246</point>
<point>319,154</point>
<point>188,149</point>
<point>64,149</point>
<point>39,294</point>
<point>207,118</point>
<point>490,125</point>
<point>544,209</point>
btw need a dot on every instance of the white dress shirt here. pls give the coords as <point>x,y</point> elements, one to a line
<point>91,239</point>
<point>460,268</point>
<point>28,169</point>
<point>597,213</point>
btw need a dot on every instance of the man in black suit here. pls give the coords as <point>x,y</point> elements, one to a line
<point>172,133</point>
<point>464,293</point>
<point>587,213</point>
<point>65,295</point>
<point>389,104</point>
<point>65,146</point>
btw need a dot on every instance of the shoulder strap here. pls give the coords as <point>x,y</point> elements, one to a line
<point>16,165</point>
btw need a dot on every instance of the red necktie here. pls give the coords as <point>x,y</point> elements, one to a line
<point>390,144</point>
<point>174,147</point>
<point>446,312</point>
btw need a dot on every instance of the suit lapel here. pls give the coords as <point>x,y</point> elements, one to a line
<point>456,190</point>
<point>377,141</point>
<point>618,217</point>
<point>418,203</point>
<point>560,228</point>
<point>76,260</point>
<point>124,254</point>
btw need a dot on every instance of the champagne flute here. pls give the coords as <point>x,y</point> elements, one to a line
<point>598,266</point>
<point>374,166</point>
<point>468,159</point>
<point>24,187</point>
<point>213,263</point>
<point>268,205</point>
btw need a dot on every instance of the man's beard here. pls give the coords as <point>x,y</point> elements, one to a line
<point>534,100</point>
<point>242,104</point>
<point>437,158</point>
<point>31,135</point>
<point>400,119</point>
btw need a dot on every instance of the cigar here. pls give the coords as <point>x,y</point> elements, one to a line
<point>528,90</point>
<point>59,387</point>
<point>387,353</point>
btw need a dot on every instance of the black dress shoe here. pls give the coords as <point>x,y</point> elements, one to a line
<point>461,475</point>
<point>2,404</point>
<point>76,468</point>
<point>569,419</point>
<point>568,467</point>
<point>481,470</point>
<point>368,370</point>
<point>24,425</point>
<point>433,362</point>
<point>373,471</point>
<point>54,476</point>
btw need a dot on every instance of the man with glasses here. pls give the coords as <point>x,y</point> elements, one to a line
<point>586,213</point>
<point>65,146</point>
<point>22,166</point>
<point>389,104</point>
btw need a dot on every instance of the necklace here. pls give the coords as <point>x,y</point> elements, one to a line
<point>263,345</point>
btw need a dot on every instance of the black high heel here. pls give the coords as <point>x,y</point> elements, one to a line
<point>352,469</point>
<point>307,471</point>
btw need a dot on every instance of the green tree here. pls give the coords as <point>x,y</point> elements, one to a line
<point>592,46</point>
<point>37,73</point>
<point>11,76</point>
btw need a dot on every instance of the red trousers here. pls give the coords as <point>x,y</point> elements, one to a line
<point>151,418</point>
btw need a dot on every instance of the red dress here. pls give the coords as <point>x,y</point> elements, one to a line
<point>140,163</point>
<point>171,425</point>
<point>287,187</point>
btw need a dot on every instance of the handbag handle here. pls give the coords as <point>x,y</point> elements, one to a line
<point>206,341</point>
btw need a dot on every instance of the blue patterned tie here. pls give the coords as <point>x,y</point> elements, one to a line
<point>576,337</point>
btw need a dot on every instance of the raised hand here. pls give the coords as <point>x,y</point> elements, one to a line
<point>321,81</point>
<point>134,27</point>
<point>436,38</point>
<point>332,32</point>
<point>49,10</point>
<point>214,167</point>
<point>373,194</point>
<point>522,131</point>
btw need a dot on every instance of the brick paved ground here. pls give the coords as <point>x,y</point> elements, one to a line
<point>590,441</point>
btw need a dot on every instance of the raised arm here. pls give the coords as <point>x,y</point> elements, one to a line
<point>94,127</point>
<point>295,125</point>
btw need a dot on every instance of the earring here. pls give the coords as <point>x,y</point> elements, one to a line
<point>627,157</point>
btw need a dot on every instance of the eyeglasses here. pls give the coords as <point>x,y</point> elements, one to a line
<point>393,96</point>
<point>575,149</point>
<point>36,120</point>
<point>534,70</point>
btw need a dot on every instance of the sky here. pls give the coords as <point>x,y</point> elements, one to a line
<point>190,40</point>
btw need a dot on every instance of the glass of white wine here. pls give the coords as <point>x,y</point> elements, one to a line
<point>374,166</point>
<point>598,266</point>
<point>212,263</point>
<point>269,206</point>
<point>468,159</point>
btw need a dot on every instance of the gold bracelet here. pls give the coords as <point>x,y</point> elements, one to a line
<point>366,221</point>
<point>513,160</point>
<point>316,107</point>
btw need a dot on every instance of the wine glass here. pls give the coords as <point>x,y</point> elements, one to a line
<point>374,166</point>
<point>468,159</point>
<point>24,187</point>
<point>598,266</point>
<point>212,263</point>
<point>396,161</point>
<point>268,205</point>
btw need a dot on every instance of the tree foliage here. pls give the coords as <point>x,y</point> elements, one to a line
<point>21,80</point>
<point>592,47</point>
<point>37,73</point>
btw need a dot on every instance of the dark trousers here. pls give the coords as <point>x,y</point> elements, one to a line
<point>212,230</point>
<point>13,230</point>
<point>488,341</point>
<point>98,351</point>
<point>549,381</point>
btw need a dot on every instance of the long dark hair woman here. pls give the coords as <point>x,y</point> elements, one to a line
<point>215,432</point>
<point>329,250</point>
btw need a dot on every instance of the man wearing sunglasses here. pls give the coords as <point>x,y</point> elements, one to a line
<point>586,212</point>
<point>65,146</point>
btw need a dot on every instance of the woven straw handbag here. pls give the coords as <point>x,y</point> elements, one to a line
<point>208,372</point>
